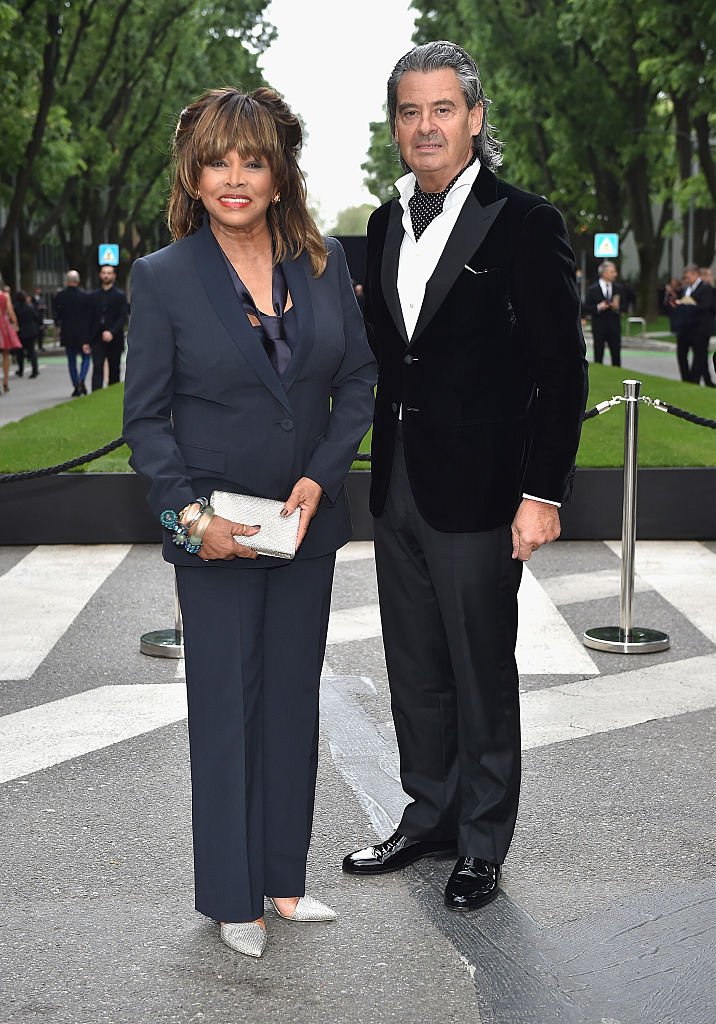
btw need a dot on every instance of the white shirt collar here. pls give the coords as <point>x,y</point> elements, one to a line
<point>406,184</point>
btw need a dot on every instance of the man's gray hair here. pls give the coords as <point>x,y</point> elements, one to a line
<point>603,266</point>
<point>435,57</point>
<point>693,268</point>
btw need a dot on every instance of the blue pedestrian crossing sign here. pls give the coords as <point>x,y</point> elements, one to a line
<point>606,246</point>
<point>108,253</point>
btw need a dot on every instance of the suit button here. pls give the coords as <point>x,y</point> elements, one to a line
<point>408,359</point>
<point>287,424</point>
<point>394,407</point>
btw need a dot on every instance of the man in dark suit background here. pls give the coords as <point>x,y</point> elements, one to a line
<point>110,304</point>
<point>603,304</point>
<point>72,311</point>
<point>473,312</point>
<point>692,318</point>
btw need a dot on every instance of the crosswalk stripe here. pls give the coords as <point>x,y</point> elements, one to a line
<point>43,736</point>
<point>671,568</point>
<point>41,596</point>
<point>366,753</point>
<point>560,713</point>
<point>574,588</point>
<point>546,645</point>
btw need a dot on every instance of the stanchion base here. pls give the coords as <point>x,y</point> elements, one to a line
<point>162,643</point>
<point>636,641</point>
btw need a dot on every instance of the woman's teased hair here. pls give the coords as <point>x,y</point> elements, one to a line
<point>256,124</point>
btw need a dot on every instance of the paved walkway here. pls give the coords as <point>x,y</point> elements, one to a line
<point>607,914</point>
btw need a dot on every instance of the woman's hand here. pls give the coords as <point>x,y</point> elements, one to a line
<point>219,540</point>
<point>305,495</point>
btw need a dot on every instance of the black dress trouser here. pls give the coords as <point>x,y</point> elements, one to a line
<point>448,605</point>
<point>611,335</point>
<point>254,645</point>
<point>111,351</point>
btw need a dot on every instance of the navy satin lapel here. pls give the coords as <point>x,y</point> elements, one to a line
<point>465,239</point>
<point>214,276</point>
<point>297,274</point>
<point>389,266</point>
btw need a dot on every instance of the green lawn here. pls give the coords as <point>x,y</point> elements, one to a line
<point>80,425</point>
<point>663,440</point>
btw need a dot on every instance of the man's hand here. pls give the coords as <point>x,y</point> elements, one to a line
<point>106,336</point>
<point>86,349</point>
<point>535,523</point>
<point>604,305</point>
<point>305,495</point>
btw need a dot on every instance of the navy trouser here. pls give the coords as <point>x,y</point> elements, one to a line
<point>254,644</point>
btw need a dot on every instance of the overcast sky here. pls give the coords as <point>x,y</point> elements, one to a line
<point>331,61</point>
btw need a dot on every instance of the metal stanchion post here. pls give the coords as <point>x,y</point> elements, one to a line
<point>166,643</point>
<point>626,638</point>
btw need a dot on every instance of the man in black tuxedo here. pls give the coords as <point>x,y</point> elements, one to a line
<point>692,317</point>
<point>110,305</point>
<point>603,304</point>
<point>473,311</point>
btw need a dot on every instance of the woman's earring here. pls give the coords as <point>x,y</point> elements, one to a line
<point>198,194</point>
<point>276,198</point>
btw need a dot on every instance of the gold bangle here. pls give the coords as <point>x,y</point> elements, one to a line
<point>200,529</point>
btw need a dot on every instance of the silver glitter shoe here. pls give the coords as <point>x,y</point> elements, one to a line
<point>245,937</point>
<point>308,911</point>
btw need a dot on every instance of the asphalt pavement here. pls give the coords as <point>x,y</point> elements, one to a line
<point>607,914</point>
<point>608,910</point>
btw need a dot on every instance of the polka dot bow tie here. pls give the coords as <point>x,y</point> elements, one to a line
<point>426,206</point>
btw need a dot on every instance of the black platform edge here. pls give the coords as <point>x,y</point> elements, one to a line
<point>110,508</point>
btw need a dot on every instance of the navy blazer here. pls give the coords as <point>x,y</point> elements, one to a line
<point>204,408</point>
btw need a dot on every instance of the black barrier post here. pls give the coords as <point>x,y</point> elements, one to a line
<point>626,638</point>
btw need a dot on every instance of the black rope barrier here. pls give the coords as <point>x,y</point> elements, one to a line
<point>681,414</point>
<point>598,410</point>
<point>33,474</point>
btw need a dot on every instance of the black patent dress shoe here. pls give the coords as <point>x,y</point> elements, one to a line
<point>473,883</point>
<point>393,854</point>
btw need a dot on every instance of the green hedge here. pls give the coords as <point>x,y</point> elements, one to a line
<point>82,424</point>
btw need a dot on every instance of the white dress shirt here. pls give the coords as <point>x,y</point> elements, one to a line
<point>692,287</point>
<point>418,260</point>
<point>606,289</point>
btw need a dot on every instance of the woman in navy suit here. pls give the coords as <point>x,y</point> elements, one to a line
<point>249,371</point>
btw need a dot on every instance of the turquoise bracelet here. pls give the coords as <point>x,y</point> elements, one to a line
<point>170,521</point>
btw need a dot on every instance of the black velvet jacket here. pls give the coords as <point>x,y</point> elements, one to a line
<point>493,384</point>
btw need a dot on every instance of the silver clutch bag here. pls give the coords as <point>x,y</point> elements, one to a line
<point>277,536</point>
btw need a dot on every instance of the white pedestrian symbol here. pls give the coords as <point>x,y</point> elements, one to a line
<point>606,247</point>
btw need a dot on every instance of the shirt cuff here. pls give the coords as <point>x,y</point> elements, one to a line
<point>546,501</point>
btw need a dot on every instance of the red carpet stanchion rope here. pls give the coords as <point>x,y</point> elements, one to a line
<point>598,410</point>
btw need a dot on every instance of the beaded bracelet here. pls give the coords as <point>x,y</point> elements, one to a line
<point>171,520</point>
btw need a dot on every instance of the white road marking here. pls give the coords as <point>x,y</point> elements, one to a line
<point>592,706</point>
<point>546,644</point>
<point>684,573</point>
<point>43,736</point>
<point>349,624</point>
<point>366,754</point>
<point>586,586</point>
<point>42,595</point>
<point>355,551</point>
